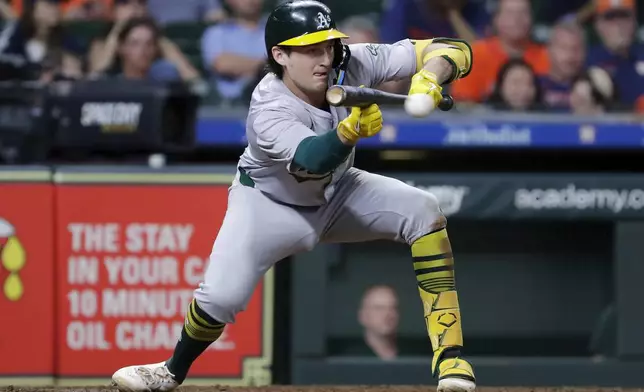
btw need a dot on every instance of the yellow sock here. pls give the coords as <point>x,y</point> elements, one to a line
<point>434,268</point>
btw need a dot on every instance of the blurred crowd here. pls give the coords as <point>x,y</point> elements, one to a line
<point>579,56</point>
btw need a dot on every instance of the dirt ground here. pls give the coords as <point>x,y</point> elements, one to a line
<point>310,388</point>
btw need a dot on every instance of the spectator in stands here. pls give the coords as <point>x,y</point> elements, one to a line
<point>140,45</point>
<point>550,12</point>
<point>422,19</point>
<point>517,88</point>
<point>363,30</point>
<point>567,50</point>
<point>75,9</point>
<point>7,11</point>
<point>36,46</point>
<point>170,61</point>
<point>103,50</point>
<point>593,93</point>
<point>360,29</point>
<point>379,317</point>
<point>170,11</point>
<point>19,6</point>
<point>164,11</point>
<point>87,9</point>
<point>234,51</point>
<point>512,24</point>
<point>618,53</point>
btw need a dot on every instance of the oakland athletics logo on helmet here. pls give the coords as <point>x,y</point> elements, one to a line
<point>299,23</point>
<point>324,21</point>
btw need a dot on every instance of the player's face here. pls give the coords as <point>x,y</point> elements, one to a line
<point>308,66</point>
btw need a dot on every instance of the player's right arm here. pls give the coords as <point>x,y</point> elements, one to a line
<point>284,138</point>
<point>321,154</point>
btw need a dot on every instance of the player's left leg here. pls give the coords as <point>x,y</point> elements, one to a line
<point>255,234</point>
<point>369,207</point>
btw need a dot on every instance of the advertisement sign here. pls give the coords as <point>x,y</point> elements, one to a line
<point>453,130</point>
<point>129,258</point>
<point>26,270</point>
<point>538,196</point>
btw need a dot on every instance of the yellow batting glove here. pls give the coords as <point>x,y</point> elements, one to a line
<point>370,120</point>
<point>362,122</point>
<point>350,126</point>
<point>425,82</point>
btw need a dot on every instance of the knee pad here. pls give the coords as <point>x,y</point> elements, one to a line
<point>424,217</point>
<point>431,202</point>
<point>431,206</point>
<point>221,306</point>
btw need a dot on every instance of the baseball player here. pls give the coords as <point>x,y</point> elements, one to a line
<point>296,186</point>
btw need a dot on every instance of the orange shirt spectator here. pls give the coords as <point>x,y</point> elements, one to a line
<point>67,5</point>
<point>489,56</point>
<point>639,105</point>
<point>513,26</point>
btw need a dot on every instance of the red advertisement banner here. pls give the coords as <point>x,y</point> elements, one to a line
<point>26,283</point>
<point>128,260</point>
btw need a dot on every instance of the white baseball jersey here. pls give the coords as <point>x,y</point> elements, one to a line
<point>278,121</point>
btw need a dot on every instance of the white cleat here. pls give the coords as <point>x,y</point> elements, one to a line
<point>145,378</point>
<point>453,384</point>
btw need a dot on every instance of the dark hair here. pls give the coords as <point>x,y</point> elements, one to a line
<point>609,102</point>
<point>273,66</point>
<point>130,25</point>
<point>27,26</point>
<point>496,99</point>
<point>139,22</point>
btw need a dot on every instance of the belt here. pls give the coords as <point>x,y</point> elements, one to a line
<point>245,179</point>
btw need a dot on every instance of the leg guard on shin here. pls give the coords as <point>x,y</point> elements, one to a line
<point>434,268</point>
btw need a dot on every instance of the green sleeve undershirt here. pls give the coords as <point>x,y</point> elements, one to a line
<point>321,154</point>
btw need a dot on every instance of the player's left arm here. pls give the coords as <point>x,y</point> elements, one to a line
<point>439,61</point>
<point>449,58</point>
<point>373,64</point>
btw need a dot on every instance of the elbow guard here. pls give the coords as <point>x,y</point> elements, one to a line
<point>459,54</point>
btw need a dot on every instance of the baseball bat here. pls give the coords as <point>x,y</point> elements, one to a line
<point>362,96</point>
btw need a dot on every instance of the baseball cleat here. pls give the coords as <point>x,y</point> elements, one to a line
<point>145,378</point>
<point>455,375</point>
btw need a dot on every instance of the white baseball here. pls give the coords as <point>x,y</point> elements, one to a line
<point>419,105</point>
<point>156,161</point>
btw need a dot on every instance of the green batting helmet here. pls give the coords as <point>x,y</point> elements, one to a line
<point>300,23</point>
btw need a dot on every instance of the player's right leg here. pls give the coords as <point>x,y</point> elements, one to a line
<point>255,234</point>
<point>368,207</point>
